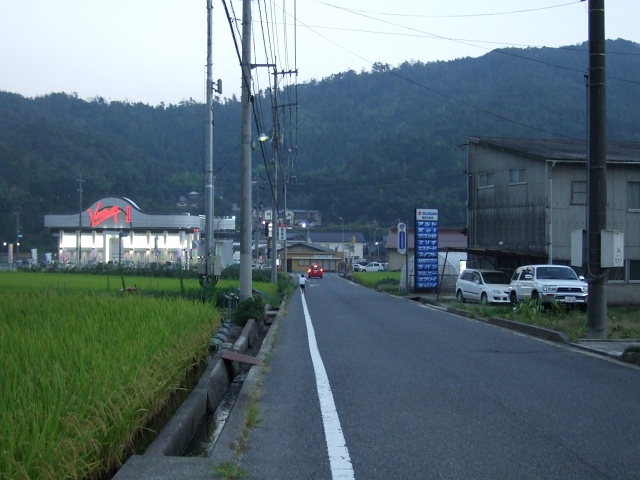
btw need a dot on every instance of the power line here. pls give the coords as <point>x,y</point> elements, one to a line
<point>512,12</point>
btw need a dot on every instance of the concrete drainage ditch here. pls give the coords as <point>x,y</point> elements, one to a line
<point>182,448</point>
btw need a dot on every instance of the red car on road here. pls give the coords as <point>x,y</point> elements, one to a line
<point>315,270</point>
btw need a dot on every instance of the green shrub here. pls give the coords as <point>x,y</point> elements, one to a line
<point>261,275</point>
<point>248,308</point>
<point>232,272</point>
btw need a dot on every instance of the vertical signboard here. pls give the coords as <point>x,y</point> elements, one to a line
<point>402,238</point>
<point>426,250</point>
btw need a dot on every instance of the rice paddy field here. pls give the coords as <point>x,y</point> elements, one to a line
<point>85,367</point>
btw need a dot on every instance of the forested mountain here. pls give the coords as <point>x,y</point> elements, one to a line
<point>370,145</point>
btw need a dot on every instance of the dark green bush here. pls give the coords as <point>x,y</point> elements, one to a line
<point>252,307</point>
<point>232,272</point>
<point>261,275</point>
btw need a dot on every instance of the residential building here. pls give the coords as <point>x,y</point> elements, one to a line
<point>302,254</point>
<point>448,238</point>
<point>349,242</point>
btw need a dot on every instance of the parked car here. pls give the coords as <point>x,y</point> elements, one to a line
<point>485,286</point>
<point>373,267</point>
<point>357,266</point>
<point>547,284</point>
<point>315,271</point>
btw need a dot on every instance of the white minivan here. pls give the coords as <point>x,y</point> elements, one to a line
<point>485,286</point>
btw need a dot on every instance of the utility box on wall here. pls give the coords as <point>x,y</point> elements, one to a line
<point>577,248</point>
<point>612,249</point>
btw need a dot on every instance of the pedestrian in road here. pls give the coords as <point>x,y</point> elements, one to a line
<point>301,281</point>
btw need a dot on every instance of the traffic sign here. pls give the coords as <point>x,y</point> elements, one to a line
<point>402,238</point>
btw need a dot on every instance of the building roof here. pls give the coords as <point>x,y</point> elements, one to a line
<point>121,213</point>
<point>335,237</point>
<point>305,246</point>
<point>560,150</point>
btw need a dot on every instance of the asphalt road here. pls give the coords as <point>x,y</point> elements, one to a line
<point>422,394</point>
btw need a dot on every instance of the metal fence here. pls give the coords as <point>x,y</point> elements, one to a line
<point>446,284</point>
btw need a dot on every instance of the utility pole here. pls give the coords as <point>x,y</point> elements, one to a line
<point>206,270</point>
<point>79,242</point>
<point>17,257</point>
<point>597,174</point>
<point>276,145</point>
<point>275,222</point>
<point>344,261</point>
<point>246,287</point>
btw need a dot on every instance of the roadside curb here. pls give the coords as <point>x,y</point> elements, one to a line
<point>614,349</point>
<point>532,330</point>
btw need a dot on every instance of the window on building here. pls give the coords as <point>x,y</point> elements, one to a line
<point>616,274</point>
<point>578,193</point>
<point>517,175</point>
<point>634,270</point>
<point>485,180</point>
<point>633,196</point>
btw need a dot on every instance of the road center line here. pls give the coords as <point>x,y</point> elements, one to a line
<point>339,459</point>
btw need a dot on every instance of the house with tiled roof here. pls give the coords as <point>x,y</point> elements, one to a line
<point>330,250</point>
<point>453,238</point>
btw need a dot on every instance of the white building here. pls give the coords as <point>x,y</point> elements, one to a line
<point>114,229</point>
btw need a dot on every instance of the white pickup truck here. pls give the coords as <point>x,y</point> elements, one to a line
<point>547,284</point>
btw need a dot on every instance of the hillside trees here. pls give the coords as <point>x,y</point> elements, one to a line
<point>369,145</point>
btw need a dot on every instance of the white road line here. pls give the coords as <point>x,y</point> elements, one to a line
<point>339,459</point>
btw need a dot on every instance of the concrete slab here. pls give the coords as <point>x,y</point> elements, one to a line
<point>610,348</point>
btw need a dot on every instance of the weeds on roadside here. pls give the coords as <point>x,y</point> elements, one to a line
<point>527,310</point>
<point>230,471</point>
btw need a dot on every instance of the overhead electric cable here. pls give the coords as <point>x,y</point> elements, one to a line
<point>413,15</point>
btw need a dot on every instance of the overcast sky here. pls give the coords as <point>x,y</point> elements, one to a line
<point>155,51</point>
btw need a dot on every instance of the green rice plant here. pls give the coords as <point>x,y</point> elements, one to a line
<point>65,282</point>
<point>84,372</point>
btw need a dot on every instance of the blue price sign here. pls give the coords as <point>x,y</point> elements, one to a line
<point>426,249</point>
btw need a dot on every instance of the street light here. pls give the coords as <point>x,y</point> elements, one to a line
<point>306,225</point>
<point>263,137</point>
<point>5,244</point>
